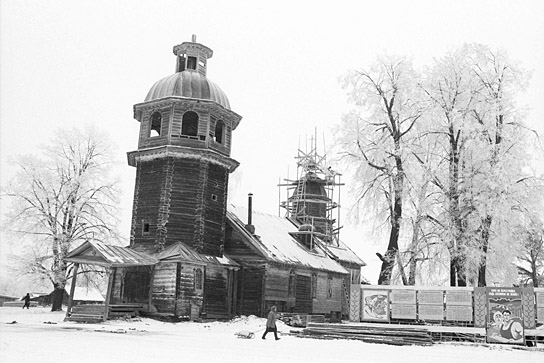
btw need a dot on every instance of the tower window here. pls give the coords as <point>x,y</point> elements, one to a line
<point>219,127</point>
<point>214,197</point>
<point>191,62</point>
<point>145,227</point>
<point>155,124</point>
<point>181,62</point>
<point>189,124</point>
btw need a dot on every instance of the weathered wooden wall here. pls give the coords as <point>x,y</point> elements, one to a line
<point>174,289</point>
<point>164,287</point>
<point>182,200</point>
<point>300,300</point>
<point>323,304</point>
<point>251,277</point>
<point>216,293</point>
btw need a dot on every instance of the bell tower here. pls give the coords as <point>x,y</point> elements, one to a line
<point>183,158</point>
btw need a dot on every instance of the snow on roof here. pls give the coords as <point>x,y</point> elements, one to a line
<point>94,252</point>
<point>344,253</point>
<point>277,245</point>
<point>184,252</point>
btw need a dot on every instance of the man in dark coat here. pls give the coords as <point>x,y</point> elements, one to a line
<point>26,298</point>
<point>271,323</point>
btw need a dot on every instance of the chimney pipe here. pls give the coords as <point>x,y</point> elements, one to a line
<point>249,226</point>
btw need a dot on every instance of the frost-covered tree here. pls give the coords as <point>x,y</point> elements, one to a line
<point>530,263</point>
<point>458,176</point>
<point>374,137</point>
<point>60,198</point>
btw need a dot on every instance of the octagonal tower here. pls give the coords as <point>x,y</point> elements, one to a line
<point>183,158</point>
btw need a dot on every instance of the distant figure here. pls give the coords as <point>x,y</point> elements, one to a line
<point>26,298</point>
<point>271,323</point>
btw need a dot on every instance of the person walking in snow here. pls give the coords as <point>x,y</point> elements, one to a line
<point>271,323</point>
<point>26,298</point>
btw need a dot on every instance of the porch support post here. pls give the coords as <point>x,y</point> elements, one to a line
<point>72,290</point>
<point>151,284</point>
<point>111,273</point>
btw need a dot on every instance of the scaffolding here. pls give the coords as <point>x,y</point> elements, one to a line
<point>309,200</point>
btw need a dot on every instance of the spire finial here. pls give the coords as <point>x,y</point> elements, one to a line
<point>193,38</point>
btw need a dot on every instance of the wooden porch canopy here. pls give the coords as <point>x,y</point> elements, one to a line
<point>111,257</point>
<point>182,252</point>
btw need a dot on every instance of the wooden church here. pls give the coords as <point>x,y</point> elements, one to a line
<point>192,254</point>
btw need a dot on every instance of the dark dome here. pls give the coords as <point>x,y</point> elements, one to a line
<point>188,84</point>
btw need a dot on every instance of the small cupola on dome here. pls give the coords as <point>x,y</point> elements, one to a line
<point>192,56</point>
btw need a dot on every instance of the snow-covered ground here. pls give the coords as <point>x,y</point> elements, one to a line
<point>41,336</point>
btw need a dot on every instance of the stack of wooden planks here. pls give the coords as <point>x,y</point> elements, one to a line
<point>368,334</point>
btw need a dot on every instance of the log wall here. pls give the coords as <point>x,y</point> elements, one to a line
<point>181,200</point>
<point>300,300</point>
<point>216,293</point>
<point>251,277</point>
<point>174,289</point>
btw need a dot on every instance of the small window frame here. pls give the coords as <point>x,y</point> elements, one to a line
<point>146,228</point>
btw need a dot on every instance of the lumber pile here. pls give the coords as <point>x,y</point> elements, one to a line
<point>368,334</point>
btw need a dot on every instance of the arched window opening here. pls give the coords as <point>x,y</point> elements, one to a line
<point>198,279</point>
<point>189,124</point>
<point>219,127</point>
<point>291,286</point>
<point>155,124</point>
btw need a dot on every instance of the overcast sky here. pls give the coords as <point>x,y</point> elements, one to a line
<point>66,63</point>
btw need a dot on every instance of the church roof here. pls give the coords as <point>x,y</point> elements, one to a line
<point>272,238</point>
<point>188,84</point>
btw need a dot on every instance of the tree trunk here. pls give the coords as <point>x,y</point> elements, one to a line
<point>58,294</point>
<point>388,261</point>
<point>486,227</point>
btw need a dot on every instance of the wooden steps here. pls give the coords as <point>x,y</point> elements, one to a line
<point>131,310</point>
<point>385,335</point>
<point>85,318</point>
<point>95,313</point>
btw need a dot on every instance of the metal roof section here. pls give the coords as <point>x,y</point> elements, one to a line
<point>345,254</point>
<point>272,238</point>
<point>98,253</point>
<point>180,251</point>
<point>188,84</point>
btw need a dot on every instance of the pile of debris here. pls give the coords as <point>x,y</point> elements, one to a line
<point>368,334</point>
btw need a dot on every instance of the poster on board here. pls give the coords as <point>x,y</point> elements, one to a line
<point>375,305</point>
<point>505,319</point>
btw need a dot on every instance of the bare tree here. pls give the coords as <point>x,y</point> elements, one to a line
<point>375,135</point>
<point>61,198</point>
